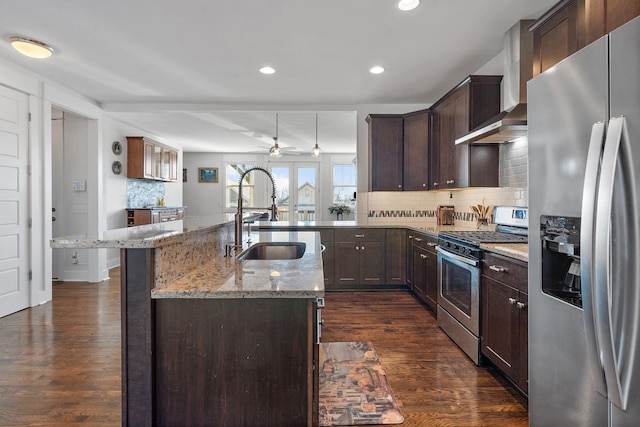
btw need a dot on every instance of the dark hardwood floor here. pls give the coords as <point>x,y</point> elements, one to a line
<point>60,362</point>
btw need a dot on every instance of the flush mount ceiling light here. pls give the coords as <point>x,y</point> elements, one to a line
<point>267,70</point>
<point>315,151</point>
<point>406,5</point>
<point>376,70</point>
<point>31,48</point>
<point>275,150</point>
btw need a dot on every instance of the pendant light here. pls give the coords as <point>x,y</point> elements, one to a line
<point>275,150</point>
<point>315,151</point>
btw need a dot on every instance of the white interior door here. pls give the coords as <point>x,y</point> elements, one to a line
<point>57,199</point>
<point>14,192</point>
<point>296,190</point>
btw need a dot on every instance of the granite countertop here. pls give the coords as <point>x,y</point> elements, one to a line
<point>140,237</point>
<point>519,251</point>
<point>226,277</point>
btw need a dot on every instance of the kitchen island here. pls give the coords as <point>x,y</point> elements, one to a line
<point>208,339</point>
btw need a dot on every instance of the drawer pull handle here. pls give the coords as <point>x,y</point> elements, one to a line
<point>418,239</point>
<point>521,305</point>
<point>431,244</point>
<point>359,235</point>
<point>423,256</point>
<point>410,237</point>
<point>512,301</point>
<point>497,268</point>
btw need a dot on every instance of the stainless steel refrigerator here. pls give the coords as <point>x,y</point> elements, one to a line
<point>584,236</point>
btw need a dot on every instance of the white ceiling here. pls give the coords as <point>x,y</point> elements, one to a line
<point>187,71</point>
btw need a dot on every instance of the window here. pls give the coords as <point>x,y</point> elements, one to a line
<point>234,171</point>
<point>344,184</point>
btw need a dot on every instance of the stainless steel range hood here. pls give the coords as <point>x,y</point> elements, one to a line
<point>511,124</point>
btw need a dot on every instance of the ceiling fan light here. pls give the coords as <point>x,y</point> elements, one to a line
<point>275,150</point>
<point>31,48</point>
<point>406,5</point>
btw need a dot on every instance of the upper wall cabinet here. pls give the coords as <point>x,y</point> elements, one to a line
<point>570,25</point>
<point>385,151</point>
<point>416,150</point>
<point>148,159</point>
<point>474,101</point>
<point>399,151</point>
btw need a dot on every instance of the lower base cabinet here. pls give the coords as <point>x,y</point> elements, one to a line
<point>359,257</point>
<point>505,317</point>
<point>425,270</point>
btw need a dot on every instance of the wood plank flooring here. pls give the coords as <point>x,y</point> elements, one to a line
<point>435,383</point>
<point>60,362</point>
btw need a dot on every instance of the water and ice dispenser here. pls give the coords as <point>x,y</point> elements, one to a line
<point>561,258</point>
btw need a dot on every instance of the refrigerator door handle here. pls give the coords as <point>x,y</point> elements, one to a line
<point>587,232</point>
<point>617,386</point>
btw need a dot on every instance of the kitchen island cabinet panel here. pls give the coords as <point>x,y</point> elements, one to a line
<point>234,362</point>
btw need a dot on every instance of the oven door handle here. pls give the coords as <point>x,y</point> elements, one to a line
<point>457,257</point>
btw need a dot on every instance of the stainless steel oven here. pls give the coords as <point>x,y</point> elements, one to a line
<point>459,258</point>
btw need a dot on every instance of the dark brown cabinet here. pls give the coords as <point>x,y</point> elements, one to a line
<point>468,105</point>
<point>425,270</point>
<point>359,257</point>
<point>570,25</point>
<point>327,240</point>
<point>234,362</point>
<point>385,151</point>
<point>396,256</point>
<point>505,316</point>
<point>148,159</point>
<point>416,151</point>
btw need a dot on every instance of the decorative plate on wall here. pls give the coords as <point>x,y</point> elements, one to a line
<point>116,147</point>
<point>116,167</point>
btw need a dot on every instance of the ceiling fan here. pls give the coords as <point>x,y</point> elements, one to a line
<point>278,149</point>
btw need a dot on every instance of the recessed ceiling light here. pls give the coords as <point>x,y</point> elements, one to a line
<point>406,5</point>
<point>31,48</point>
<point>267,70</point>
<point>376,70</point>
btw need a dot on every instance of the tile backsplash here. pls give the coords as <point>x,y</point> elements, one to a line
<point>142,193</point>
<point>418,208</point>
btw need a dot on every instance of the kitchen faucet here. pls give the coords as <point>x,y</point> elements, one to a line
<point>238,216</point>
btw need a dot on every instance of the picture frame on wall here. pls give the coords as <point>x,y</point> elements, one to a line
<point>209,175</point>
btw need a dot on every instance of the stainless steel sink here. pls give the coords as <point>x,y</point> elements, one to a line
<point>274,250</point>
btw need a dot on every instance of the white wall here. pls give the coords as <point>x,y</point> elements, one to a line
<point>204,199</point>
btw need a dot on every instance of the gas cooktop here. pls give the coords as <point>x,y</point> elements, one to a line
<point>477,237</point>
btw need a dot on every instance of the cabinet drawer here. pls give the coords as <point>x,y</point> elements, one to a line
<point>424,241</point>
<point>359,234</point>
<point>507,270</point>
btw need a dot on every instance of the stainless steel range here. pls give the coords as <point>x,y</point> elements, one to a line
<point>459,257</point>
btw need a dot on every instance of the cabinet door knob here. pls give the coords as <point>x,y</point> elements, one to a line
<point>431,244</point>
<point>521,305</point>
<point>410,237</point>
<point>435,184</point>
<point>424,185</point>
<point>423,256</point>
<point>357,248</point>
<point>497,268</point>
<point>512,301</point>
<point>362,248</point>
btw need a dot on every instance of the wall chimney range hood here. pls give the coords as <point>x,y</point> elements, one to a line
<point>510,124</point>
